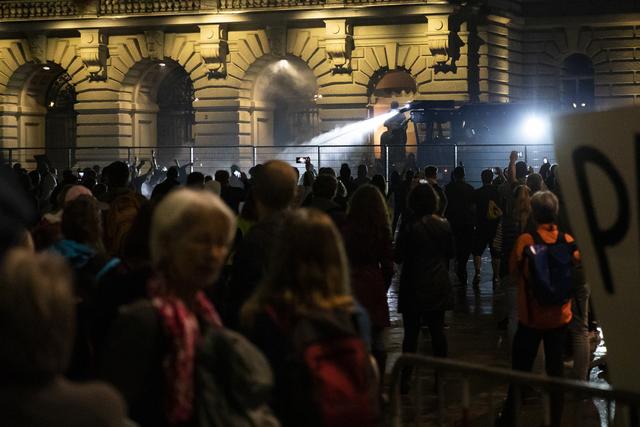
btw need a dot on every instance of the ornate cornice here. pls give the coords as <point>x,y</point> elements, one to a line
<point>123,7</point>
<point>268,4</point>
<point>38,9</point>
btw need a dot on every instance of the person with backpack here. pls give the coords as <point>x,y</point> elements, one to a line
<point>488,213</point>
<point>306,322</point>
<point>151,353</point>
<point>424,247</point>
<point>543,262</point>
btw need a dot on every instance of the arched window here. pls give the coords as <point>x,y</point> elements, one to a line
<point>60,120</point>
<point>175,109</point>
<point>285,93</point>
<point>578,91</point>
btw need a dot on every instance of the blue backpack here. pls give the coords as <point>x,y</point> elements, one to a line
<point>550,270</point>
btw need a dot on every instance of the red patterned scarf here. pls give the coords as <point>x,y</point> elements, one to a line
<point>182,328</point>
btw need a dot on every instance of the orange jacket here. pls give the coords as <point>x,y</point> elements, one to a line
<point>530,313</point>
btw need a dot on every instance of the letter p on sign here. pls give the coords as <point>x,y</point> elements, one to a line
<point>599,168</point>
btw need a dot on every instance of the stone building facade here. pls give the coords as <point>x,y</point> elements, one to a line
<point>141,73</point>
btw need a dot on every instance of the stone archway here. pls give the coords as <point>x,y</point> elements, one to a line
<point>60,121</point>
<point>386,87</point>
<point>161,97</point>
<point>283,94</point>
<point>45,97</point>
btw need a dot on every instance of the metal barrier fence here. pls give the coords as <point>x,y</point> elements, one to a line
<point>383,160</point>
<point>619,407</point>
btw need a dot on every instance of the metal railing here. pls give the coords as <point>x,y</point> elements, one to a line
<point>619,404</point>
<point>383,160</point>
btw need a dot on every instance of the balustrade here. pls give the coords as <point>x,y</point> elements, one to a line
<point>111,7</point>
<point>36,9</point>
<point>23,10</point>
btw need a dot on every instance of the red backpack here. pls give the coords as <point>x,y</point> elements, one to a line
<point>332,380</point>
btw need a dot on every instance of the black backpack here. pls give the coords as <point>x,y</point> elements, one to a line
<point>233,382</point>
<point>332,381</point>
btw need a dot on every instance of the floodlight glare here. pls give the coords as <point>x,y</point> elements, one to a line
<point>283,64</point>
<point>535,128</point>
<point>46,68</point>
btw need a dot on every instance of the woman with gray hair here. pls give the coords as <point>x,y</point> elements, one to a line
<point>542,316</point>
<point>37,313</point>
<point>150,355</point>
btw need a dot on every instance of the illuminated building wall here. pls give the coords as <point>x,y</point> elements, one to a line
<point>119,55</point>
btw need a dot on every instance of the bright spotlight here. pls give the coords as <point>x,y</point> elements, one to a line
<point>535,128</point>
<point>52,104</point>
<point>162,64</point>
<point>282,65</point>
<point>583,104</point>
<point>196,99</point>
<point>574,105</point>
<point>46,68</point>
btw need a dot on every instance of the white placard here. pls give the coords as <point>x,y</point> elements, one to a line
<point>599,158</point>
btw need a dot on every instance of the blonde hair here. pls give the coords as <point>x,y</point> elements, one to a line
<point>309,268</point>
<point>179,211</point>
<point>37,316</point>
<point>522,209</point>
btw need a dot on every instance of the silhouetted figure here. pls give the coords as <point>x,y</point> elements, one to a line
<point>460,216</point>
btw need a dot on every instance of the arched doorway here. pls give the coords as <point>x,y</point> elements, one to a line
<point>176,115</point>
<point>60,121</point>
<point>284,100</point>
<point>161,96</point>
<point>578,89</point>
<point>387,87</point>
<point>45,117</point>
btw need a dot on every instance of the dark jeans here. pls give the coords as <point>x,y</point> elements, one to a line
<point>525,349</point>
<point>434,320</point>
<point>413,321</point>
<point>463,236</point>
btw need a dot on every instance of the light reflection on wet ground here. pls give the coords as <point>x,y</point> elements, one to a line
<point>474,337</point>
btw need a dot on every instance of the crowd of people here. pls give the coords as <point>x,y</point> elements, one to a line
<point>178,299</point>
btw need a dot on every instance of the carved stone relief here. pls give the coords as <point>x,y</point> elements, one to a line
<point>214,48</point>
<point>94,52</point>
<point>339,45</point>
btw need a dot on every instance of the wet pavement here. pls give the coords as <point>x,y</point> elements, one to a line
<point>475,337</point>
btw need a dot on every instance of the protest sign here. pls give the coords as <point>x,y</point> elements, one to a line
<point>599,158</point>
